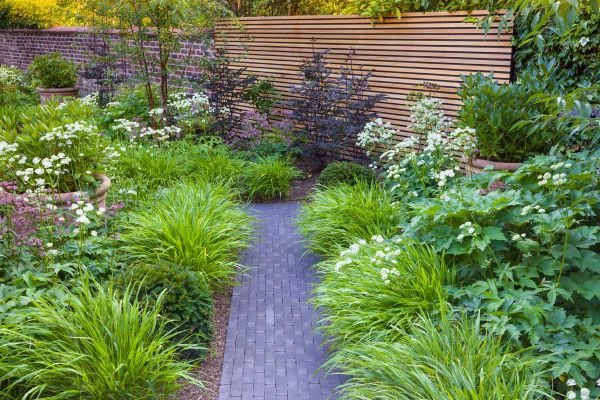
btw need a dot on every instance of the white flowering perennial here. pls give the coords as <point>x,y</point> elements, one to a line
<point>84,211</point>
<point>375,133</point>
<point>429,153</point>
<point>584,393</point>
<point>183,108</point>
<point>74,150</point>
<point>464,140</point>
<point>427,116</point>
<point>468,229</point>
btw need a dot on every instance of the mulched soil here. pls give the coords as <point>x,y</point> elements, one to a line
<point>209,370</point>
<point>302,189</point>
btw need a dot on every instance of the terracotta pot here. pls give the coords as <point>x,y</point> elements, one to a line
<point>98,198</point>
<point>478,165</point>
<point>62,199</point>
<point>58,94</point>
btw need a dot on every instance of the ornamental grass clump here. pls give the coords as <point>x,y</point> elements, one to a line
<point>197,225</point>
<point>338,216</point>
<point>441,360</point>
<point>91,343</point>
<point>270,178</point>
<point>373,288</point>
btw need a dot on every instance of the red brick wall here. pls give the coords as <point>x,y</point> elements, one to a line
<point>18,47</point>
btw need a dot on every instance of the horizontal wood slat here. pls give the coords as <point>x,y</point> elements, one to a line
<point>436,47</point>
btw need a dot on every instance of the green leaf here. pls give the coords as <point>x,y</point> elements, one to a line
<point>494,233</point>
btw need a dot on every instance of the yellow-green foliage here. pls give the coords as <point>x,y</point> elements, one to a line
<point>36,14</point>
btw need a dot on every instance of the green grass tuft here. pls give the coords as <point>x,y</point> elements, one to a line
<point>197,225</point>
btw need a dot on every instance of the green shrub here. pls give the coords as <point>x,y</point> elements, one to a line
<point>270,178</point>
<point>15,88</point>
<point>499,113</point>
<point>37,14</point>
<point>371,289</point>
<point>52,71</point>
<point>345,172</point>
<point>338,216</point>
<point>441,360</point>
<point>186,301</point>
<point>91,344</point>
<point>197,225</point>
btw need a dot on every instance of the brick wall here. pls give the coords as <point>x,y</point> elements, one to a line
<point>18,47</point>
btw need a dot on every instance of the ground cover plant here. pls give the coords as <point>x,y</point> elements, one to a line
<point>375,287</point>
<point>438,360</point>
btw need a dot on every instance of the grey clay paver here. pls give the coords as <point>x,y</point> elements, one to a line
<point>272,350</point>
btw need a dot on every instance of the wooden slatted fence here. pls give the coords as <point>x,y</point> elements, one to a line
<point>436,47</point>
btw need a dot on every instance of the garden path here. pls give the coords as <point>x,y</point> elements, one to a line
<point>272,350</point>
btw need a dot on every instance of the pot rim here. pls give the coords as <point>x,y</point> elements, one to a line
<point>58,90</point>
<point>99,193</point>
<point>499,165</point>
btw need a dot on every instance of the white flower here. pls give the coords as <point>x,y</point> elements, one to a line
<point>460,237</point>
<point>571,382</point>
<point>83,220</point>
<point>53,252</point>
<point>571,395</point>
<point>94,233</point>
<point>584,40</point>
<point>49,244</point>
<point>585,394</point>
<point>377,239</point>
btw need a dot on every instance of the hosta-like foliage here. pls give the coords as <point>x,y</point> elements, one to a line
<point>528,256</point>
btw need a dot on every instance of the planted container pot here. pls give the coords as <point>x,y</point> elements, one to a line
<point>479,165</point>
<point>57,77</point>
<point>57,94</point>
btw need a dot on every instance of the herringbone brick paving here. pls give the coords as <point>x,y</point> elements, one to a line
<point>272,350</point>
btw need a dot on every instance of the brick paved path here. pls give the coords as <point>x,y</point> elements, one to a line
<point>272,350</point>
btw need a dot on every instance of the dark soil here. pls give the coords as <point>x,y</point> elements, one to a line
<point>301,189</point>
<point>209,370</point>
